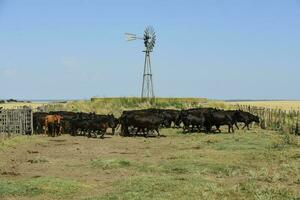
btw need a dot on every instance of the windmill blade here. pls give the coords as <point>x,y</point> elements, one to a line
<point>130,36</point>
<point>149,38</point>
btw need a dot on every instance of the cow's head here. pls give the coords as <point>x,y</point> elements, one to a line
<point>256,119</point>
<point>112,121</point>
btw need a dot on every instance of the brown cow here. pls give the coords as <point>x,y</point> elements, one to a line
<point>53,125</point>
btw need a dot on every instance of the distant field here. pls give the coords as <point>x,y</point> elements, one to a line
<point>285,105</point>
<point>20,104</point>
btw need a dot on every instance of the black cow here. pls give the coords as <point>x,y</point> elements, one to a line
<point>134,122</point>
<point>111,121</point>
<point>219,118</point>
<point>97,124</point>
<point>191,120</point>
<point>247,118</point>
<point>172,116</point>
<point>195,117</point>
<point>165,114</point>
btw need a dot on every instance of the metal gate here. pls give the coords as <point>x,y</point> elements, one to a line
<point>16,121</point>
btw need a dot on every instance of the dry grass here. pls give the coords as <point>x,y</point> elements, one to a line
<point>12,105</point>
<point>117,105</point>
<point>283,105</point>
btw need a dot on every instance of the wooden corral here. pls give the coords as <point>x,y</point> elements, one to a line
<point>16,121</point>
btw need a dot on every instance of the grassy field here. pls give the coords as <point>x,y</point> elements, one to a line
<point>254,164</point>
<point>284,105</point>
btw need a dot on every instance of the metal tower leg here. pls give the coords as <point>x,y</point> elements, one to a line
<point>147,87</point>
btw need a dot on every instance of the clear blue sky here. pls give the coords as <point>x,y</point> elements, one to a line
<point>60,49</point>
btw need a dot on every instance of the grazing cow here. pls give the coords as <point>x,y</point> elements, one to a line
<point>247,118</point>
<point>53,125</point>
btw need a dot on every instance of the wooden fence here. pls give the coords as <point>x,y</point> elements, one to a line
<point>16,121</point>
<point>276,119</point>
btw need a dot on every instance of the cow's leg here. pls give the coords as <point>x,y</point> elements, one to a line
<point>236,125</point>
<point>55,130</point>
<point>191,127</point>
<point>137,131</point>
<point>199,128</point>
<point>46,130</point>
<point>218,128</point>
<point>52,130</point>
<point>103,133</point>
<point>157,130</point>
<point>231,125</point>
<point>145,132</point>
<point>113,130</point>
<point>184,128</point>
<point>60,130</point>
<point>88,134</point>
<point>248,126</point>
<point>244,125</point>
<point>207,128</point>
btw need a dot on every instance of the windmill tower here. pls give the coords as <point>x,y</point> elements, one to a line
<point>149,42</point>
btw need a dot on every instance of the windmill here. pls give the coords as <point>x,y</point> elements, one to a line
<point>149,38</point>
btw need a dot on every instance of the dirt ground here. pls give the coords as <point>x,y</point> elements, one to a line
<point>69,157</point>
<point>223,160</point>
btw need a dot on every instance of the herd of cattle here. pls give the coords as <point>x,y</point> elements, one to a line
<point>136,122</point>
